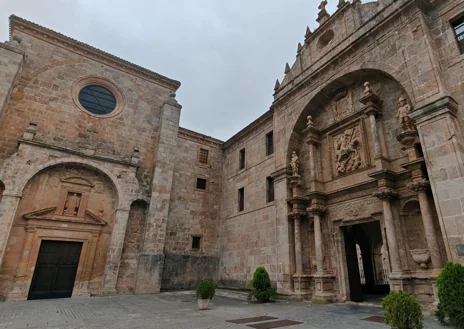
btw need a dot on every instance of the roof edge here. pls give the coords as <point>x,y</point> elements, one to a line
<point>94,53</point>
<point>198,137</point>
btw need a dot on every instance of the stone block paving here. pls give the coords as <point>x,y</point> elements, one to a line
<point>179,311</point>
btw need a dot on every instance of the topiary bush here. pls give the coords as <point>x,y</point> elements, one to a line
<point>450,285</point>
<point>262,290</point>
<point>402,311</point>
<point>206,289</point>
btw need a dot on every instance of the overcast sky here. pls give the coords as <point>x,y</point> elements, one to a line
<point>226,53</point>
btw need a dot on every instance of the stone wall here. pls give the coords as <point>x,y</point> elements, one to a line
<point>248,238</point>
<point>10,68</point>
<point>193,212</point>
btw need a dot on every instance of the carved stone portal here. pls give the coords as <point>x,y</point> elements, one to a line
<point>349,150</point>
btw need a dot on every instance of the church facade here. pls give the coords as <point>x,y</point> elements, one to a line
<point>350,185</point>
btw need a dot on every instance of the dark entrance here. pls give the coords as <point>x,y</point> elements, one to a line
<point>367,263</point>
<point>55,270</point>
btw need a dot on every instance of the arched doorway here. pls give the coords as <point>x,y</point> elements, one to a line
<point>58,242</point>
<point>367,275</point>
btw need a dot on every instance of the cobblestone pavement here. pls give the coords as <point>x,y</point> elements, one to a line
<point>177,311</point>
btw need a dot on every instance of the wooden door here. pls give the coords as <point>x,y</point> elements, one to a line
<point>55,270</point>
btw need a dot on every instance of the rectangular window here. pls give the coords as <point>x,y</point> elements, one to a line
<point>458,26</point>
<point>241,159</point>
<point>269,189</point>
<point>241,199</point>
<point>203,156</point>
<point>201,183</point>
<point>269,143</point>
<point>196,242</point>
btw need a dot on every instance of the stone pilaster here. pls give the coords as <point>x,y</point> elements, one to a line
<point>151,260</point>
<point>313,140</point>
<point>8,206</point>
<point>443,147</point>
<point>113,258</point>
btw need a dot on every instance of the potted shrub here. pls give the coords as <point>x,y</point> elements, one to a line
<point>450,286</point>
<point>205,291</point>
<point>262,290</point>
<point>402,311</point>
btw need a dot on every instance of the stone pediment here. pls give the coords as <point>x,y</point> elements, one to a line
<point>78,181</point>
<point>49,214</point>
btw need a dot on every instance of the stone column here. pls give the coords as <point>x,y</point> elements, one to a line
<point>298,258</point>
<point>151,260</point>
<point>318,243</point>
<point>323,280</point>
<point>375,134</point>
<point>421,187</point>
<point>372,104</point>
<point>312,161</point>
<point>313,140</point>
<point>113,257</point>
<point>386,196</point>
<point>8,208</point>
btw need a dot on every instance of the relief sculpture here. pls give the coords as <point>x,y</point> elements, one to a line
<point>348,150</point>
<point>342,104</point>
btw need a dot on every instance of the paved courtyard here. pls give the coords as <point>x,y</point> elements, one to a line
<point>179,310</point>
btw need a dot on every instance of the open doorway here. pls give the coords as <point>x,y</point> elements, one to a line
<point>367,262</point>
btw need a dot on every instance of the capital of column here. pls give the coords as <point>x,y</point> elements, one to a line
<point>313,135</point>
<point>420,185</point>
<point>372,109</point>
<point>297,215</point>
<point>318,210</point>
<point>386,194</point>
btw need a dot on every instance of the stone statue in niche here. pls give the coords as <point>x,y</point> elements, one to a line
<point>310,122</point>
<point>348,150</point>
<point>403,119</point>
<point>367,88</point>
<point>294,164</point>
<point>71,206</point>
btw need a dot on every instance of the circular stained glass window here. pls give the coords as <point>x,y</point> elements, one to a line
<point>97,99</point>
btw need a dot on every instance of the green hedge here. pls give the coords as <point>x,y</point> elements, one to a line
<point>450,285</point>
<point>402,311</point>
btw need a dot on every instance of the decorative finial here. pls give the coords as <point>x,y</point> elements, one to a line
<point>322,5</point>
<point>308,34</point>
<point>341,3</point>
<point>287,68</point>
<point>298,49</point>
<point>277,85</point>
<point>367,88</point>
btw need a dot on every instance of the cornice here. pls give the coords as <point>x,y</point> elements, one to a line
<point>56,38</point>
<point>242,133</point>
<point>199,138</point>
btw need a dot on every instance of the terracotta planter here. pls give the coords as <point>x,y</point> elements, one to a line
<point>203,304</point>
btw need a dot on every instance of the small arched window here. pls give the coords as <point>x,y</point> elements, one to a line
<point>325,39</point>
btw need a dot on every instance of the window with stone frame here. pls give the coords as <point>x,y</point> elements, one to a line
<point>201,183</point>
<point>196,242</point>
<point>458,26</point>
<point>241,199</point>
<point>269,143</point>
<point>241,159</point>
<point>269,189</point>
<point>203,156</point>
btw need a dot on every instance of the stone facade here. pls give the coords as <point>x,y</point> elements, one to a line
<point>350,183</point>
